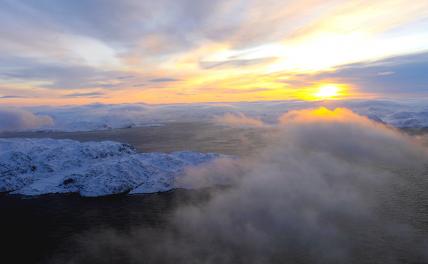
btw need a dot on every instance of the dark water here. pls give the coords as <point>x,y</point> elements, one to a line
<point>32,230</point>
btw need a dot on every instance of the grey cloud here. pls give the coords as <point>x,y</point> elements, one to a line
<point>395,75</point>
<point>177,21</point>
<point>11,96</point>
<point>90,94</point>
<point>56,75</point>
<point>139,85</point>
<point>12,119</point>
<point>125,77</point>
<point>165,79</point>
<point>182,25</point>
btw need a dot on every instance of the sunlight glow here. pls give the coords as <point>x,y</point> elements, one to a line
<point>327,91</point>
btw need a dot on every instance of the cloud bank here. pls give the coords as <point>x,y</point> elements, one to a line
<point>326,190</point>
<point>402,113</point>
<point>18,119</point>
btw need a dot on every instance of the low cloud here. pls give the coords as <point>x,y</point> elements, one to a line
<point>328,189</point>
<point>400,114</point>
<point>17,119</point>
<point>238,119</point>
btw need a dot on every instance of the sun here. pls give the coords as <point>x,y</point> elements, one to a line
<point>327,91</point>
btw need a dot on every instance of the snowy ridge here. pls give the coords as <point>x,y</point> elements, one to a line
<point>43,166</point>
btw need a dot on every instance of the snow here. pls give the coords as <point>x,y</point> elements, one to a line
<point>45,166</point>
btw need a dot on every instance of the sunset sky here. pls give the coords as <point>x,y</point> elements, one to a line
<point>180,51</point>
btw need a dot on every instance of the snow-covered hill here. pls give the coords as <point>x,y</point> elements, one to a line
<point>43,166</point>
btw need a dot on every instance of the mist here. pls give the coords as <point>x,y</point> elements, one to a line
<point>14,119</point>
<point>331,187</point>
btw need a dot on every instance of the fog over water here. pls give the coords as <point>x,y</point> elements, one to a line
<point>203,137</point>
<point>329,187</point>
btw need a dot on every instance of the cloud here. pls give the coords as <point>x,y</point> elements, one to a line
<point>90,94</point>
<point>238,119</point>
<point>391,76</point>
<point>235,63</point>
<point>328,189</point>
<point>71,45</point>
<point>16,119</point>
<point>166,79</point>
<point>125,77</point>
<point>385,73</point>
<point>48,19</point>
<point>10,96</point>
<point>53,75</point>
<point>401,114</point>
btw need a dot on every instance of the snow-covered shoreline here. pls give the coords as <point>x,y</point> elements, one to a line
<point>48,166</point>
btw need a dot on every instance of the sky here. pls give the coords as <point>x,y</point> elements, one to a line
<point>60,52</point>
